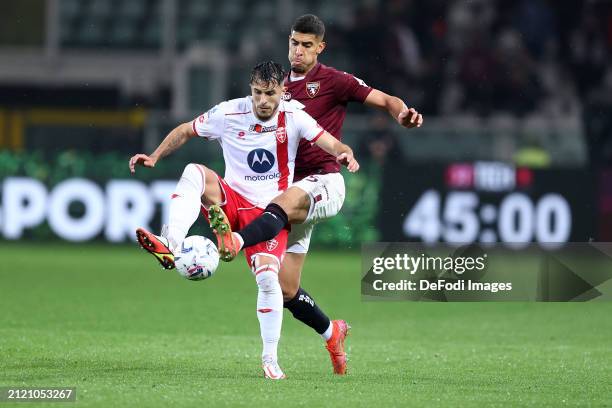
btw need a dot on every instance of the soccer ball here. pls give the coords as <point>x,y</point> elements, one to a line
<point>198,258</point>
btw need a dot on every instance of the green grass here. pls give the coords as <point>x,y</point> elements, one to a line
<point>110,322</point>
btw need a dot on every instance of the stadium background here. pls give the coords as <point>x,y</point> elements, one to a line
<point>517,108</point>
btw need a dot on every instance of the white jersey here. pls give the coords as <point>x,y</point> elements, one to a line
<point>259,156</point>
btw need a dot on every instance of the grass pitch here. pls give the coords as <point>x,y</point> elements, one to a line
<point>107,320</point>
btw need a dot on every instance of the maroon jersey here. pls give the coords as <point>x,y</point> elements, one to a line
<point>325,93</point>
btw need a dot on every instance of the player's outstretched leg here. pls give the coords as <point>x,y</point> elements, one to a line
<point>335,346</point>
<point>228,244</point>
<point>186,202</point>
<point>157,246</point>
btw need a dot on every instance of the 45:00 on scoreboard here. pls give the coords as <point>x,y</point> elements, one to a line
<point>486,202</point>
<point>461,217</point>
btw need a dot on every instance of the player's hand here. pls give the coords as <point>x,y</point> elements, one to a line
<point>410,118</point>
<point>142,160</point>
<point>348,160</point>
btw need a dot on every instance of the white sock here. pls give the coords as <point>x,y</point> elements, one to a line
<point>269,309</point>
<point>185,205</point>
<point>328,333</point>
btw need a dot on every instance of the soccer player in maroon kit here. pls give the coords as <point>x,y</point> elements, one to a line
<point>317,192</point>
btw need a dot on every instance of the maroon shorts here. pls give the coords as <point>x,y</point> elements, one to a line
<point>241,212</point>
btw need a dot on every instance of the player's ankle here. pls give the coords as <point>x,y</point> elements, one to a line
<point>269,358</point>
<point>327,334</point>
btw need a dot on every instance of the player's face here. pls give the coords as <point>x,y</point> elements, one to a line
<point>266,97</point>
<point>303,51</point>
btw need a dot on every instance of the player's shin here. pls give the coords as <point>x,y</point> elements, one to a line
<point>304,308</point>
<point>269,308</point>
<point>185,204</point>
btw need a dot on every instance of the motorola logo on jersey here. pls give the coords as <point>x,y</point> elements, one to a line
<point>260,160</point>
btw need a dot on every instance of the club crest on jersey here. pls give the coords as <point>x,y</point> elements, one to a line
<point>312,88</point>
<point>281,135</point>
<point>286,96</point>
<point>271,244</point>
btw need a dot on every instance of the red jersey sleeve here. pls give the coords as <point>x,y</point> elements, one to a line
<point>351,88</point>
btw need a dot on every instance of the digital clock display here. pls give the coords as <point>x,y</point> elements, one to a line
<point>486,202</point>
<point>461,216</point>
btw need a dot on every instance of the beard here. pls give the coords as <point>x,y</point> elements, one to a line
<point>267,114</point>
<point>298,69</point>
<point>262,115</point>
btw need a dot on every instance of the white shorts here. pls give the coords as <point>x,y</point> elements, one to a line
<point>326,192</point>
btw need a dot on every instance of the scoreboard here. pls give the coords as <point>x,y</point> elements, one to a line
<point>486,202</point>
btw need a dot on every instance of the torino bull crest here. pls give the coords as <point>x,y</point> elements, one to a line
<point>312,88</point>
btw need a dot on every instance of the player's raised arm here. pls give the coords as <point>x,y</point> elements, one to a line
<point>343,153</point>
<point>175,139</point>
<point>407,117</point>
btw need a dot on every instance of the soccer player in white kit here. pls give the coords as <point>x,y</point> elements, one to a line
<point>259,135</point>
<point>318,190</point>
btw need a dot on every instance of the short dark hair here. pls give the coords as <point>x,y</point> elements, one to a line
<point>309,24</point>
<point>268,72</point>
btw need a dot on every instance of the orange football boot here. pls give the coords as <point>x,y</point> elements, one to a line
<point>156,246</point>
<point>227,243</point>
<point>335,346</point>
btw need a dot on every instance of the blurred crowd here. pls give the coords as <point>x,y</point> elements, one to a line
<point>486,57</point>
<point>483,56</point>
<point>471,59</point>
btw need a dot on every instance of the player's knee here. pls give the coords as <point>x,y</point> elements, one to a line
<point>194,173</point>
<point>266,274</point>
<point>191,181</point>
<point>296,204</point>
<point>200,171</point>
<point>282,203</point>
<point>193,169</point>
<point>290,289</point>
<point>267,281</point>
